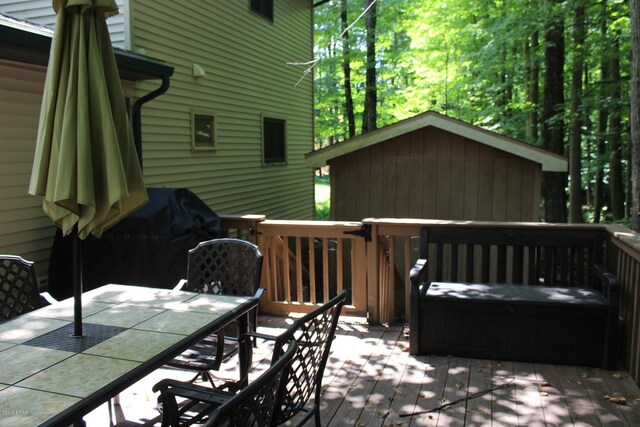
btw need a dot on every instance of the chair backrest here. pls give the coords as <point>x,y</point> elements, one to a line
<point>314,333</point>
<point>19,291</point>
<point>259,403</point>
<point>224,267</point>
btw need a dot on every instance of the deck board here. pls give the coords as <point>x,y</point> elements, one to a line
<point>371,380</point>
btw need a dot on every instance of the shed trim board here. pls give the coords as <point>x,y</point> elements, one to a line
<point>550,162</point>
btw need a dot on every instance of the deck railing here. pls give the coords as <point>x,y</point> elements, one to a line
<point>308,262</point>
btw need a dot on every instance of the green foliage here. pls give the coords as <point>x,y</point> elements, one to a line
<point>472,60</point>
<point>323,197</point>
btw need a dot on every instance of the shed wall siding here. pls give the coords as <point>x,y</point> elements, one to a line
<point>41,12</point>
<point>245,60</point>
<point>24,228</point>
<point>431,173</point>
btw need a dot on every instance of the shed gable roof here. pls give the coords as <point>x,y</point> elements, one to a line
<point>550,162</point>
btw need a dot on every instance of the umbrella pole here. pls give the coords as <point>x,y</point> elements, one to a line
<point>77,284</point>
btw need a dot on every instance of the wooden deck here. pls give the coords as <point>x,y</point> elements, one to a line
<point>371,380</point>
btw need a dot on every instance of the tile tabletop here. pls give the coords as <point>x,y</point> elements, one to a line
<point>136,329</point>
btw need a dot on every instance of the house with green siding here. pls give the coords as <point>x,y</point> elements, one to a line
<point>233,125</point>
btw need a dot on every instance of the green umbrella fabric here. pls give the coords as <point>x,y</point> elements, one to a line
<point>85,165</point>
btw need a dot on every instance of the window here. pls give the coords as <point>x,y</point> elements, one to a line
<point>263,8</point>
<point>202,132</point>
<point>273,140</point>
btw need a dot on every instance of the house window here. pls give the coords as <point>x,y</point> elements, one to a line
<point>203,135</point>
<point>263,8</point>
<point>274,140</point>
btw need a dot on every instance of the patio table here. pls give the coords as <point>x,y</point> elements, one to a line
<point>49,378</point>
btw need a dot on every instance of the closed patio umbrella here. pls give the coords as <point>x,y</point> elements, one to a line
<point>85,167</point>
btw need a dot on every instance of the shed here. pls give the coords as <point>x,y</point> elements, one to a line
<point>434,166</point>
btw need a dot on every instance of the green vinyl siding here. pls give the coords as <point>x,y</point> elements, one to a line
<point>248,75</point>
<point>24,228</point>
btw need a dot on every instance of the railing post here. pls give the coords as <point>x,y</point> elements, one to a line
<point>245,226</point>
<point>373,288</point>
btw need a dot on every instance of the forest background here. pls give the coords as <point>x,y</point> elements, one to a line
<point>558,74</point>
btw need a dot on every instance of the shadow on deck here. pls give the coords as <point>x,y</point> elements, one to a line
<point>371,380</point>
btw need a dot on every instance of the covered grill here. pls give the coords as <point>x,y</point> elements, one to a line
<point>148,248</point>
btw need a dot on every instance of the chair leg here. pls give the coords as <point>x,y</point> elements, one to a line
<point>316,409</point>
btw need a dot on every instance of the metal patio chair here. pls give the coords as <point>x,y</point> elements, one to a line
<point>258,404</point>
<point>223,267</point>
<point>314,333</point>
<point>19,290</point>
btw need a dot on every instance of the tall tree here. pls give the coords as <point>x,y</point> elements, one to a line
<point>532,87</point>
<point>575,133</point>
<point>603,116</point>
<point>635,112</point>
<point>552,110</point>
<point>370,114</point>
<point>346,68</point>
<point>616,182</point>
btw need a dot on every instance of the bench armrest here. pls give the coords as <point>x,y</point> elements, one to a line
<point>610,289</point>
<point>418,274</point>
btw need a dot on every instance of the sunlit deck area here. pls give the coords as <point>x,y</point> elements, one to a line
<point>371,380</point>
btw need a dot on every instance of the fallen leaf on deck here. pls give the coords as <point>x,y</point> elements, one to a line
<point>617,376</point>
<point>545,384</point>
<point>544,393</point>
<point>458,386</point>
<point>481,409</point>
<point>430,417</point>
<point>584,375</point>
<point>421,394</point>
<point>620,400</point>
<point>383,414</point>
<point>397,389</point>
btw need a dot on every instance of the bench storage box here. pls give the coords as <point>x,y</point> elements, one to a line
<point>513,321</point>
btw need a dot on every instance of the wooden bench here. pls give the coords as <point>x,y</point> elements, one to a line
<point>521,294</point>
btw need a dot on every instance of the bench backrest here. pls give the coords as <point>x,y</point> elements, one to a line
<point>551,257</point>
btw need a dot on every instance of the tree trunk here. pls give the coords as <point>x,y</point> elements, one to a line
<point>635,113</point>
<point>603,118</point>
<point>370,114</point>
<point>616,182</point>
<point>346,68</point>
<point>532,88</point>
<point>552,111</point>
<point>575,135</point>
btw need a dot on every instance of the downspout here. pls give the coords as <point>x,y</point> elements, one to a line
<point>136,115</point>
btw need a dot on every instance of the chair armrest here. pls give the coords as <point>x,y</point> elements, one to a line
<point>191,391</point>
<point>180,285</point>
<point>254,334</point>
<point>169,389</point>
<point>46,296</point>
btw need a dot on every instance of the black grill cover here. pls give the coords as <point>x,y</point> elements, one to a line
<point>147,248</point>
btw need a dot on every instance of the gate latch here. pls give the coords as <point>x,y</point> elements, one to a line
<point>365,231</point>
